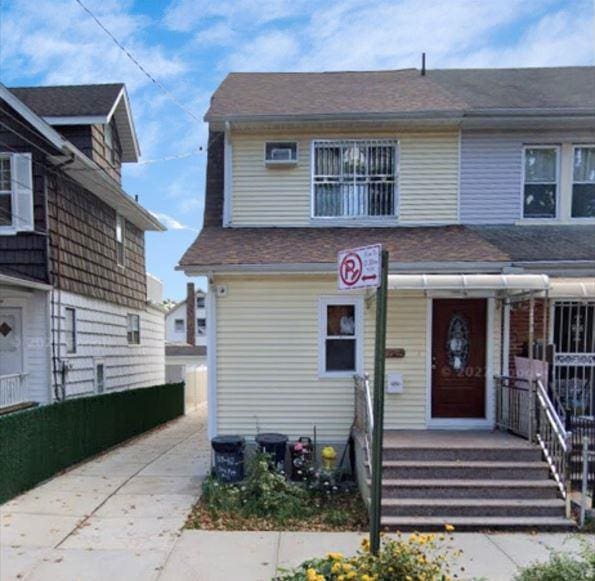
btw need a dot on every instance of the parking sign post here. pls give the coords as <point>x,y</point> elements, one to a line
<point>360,268</point>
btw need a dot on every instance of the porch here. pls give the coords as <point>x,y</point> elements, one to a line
<point>13,392</point>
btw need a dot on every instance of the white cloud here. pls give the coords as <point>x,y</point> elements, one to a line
<point>172,223</point>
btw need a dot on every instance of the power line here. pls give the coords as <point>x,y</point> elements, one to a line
<point>135,61</point>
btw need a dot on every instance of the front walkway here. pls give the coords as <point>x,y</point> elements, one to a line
<point>115,517</point>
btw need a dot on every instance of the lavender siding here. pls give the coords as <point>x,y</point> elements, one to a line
<point>491,170</point>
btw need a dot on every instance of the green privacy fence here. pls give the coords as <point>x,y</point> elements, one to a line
<point>39,442</point>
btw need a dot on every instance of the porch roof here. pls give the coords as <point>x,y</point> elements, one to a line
<point>572,288</point>
<point>504,283</point>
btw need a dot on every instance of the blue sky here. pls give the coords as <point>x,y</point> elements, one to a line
<point>190,45</point>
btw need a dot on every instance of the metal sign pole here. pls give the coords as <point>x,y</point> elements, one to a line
<point>379,354</point>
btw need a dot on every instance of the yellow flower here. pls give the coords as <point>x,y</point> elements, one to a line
<point>311,575</point>
<point>351,575</point>
<point>346,567</point>
<point>366,544</point>
<point>335,556</point>
<point>449,528</point>
<point>336,568</point>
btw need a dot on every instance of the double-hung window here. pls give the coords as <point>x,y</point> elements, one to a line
<point>540,188</point>
<point>583,182</point>
<point>340,336</point>
<point>120,238</point>
<point>354,178</point>
<point>16,193</point>
<point>133,329</point>
<point>201,326</point>
<point>179,325</point>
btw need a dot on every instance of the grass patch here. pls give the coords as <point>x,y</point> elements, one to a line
<point>266,501</point>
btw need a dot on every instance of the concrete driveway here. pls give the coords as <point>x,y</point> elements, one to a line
<point>115,517</point>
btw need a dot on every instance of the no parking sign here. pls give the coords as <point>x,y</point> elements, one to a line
<point>359,267</point>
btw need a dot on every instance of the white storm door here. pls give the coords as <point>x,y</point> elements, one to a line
<point>11,341</point>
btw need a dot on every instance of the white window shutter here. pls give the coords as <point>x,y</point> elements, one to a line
<point>23,191</point>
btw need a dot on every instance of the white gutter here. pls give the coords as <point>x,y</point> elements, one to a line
<point>572,288</point>
<point>16,281</point>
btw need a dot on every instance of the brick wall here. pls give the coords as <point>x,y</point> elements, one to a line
<point>519,329</point>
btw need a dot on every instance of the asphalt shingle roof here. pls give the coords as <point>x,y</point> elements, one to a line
<point>406,91</point>
<point>69,100</point>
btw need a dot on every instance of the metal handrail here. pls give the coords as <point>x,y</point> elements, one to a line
<point>366,422</point>
<point>553,439</point>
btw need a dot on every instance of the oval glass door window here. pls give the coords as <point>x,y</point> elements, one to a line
<point>457,343</point>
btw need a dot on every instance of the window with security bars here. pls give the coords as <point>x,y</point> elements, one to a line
<point>354,178</point>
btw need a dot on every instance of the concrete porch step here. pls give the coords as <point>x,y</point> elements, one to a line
<point>406,469</point>
<point>472,507</point>
<point>449,488</point>
<point>485,454</point>
<point>472,523</point>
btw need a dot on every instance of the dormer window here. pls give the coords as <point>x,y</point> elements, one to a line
<point>354,179</point>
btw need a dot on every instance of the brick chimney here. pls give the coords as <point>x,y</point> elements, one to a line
<point>190,314</point>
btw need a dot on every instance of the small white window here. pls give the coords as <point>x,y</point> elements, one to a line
<point>16,193</point>
<point>583,183</point>
<point>340,336</point>
<point>70,329</point>
<point>200,302</point>
<point>108,139</point>
<point>133,331</point>
<point>99,377</point>
<point>120,240</point>
<point>201,326</point>
<point>179,325</point>
<point>540,188</point>
<point>281,152</point>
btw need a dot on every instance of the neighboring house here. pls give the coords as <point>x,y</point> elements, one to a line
<point>185,347</point>
<point>176,320</point>
<point>479,183</point>
<point>78,314</point>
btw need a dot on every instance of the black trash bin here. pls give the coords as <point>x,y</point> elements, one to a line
<point>275,445</point>
<point>229,458</point>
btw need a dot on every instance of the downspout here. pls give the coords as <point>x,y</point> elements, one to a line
<point>59,371</point>
<point>211,314</point>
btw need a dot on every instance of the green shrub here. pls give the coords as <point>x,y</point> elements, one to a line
<point>562,567</point>
<point>416,558</point>
<point>38,442</point>
<point>265,500</point>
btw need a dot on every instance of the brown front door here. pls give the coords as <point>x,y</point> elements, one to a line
<point>459,358</point>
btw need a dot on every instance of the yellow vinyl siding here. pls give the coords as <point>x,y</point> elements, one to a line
<point>268,350</point>
<point>267,359</point>
<point>273,196</point>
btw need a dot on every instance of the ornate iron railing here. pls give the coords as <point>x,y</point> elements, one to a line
<point>13,389</point>
<point>364,414</point>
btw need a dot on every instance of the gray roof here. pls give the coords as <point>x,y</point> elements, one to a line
<point>536,88</point>
<point>403,92</point>
<point>542,243</point>
<point>178,350</point>
<point>69,100</point>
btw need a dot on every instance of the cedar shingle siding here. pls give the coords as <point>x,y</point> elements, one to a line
<point>24,254</point>
<point>84,228</point>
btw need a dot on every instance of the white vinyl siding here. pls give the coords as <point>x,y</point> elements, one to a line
<point>102,337</point>
<point>270,196</point>
<point>16,193</point>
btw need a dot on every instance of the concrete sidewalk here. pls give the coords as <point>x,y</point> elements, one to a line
<point>255,556</point>
<point>119,517</point>
<point>115,517</point>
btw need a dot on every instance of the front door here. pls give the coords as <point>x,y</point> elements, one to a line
<point>11,344</point>
<point>459,358</point>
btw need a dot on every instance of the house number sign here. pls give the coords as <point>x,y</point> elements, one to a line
<point>394,353</point>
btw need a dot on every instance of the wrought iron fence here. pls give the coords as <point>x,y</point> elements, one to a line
<point>581,427</point>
